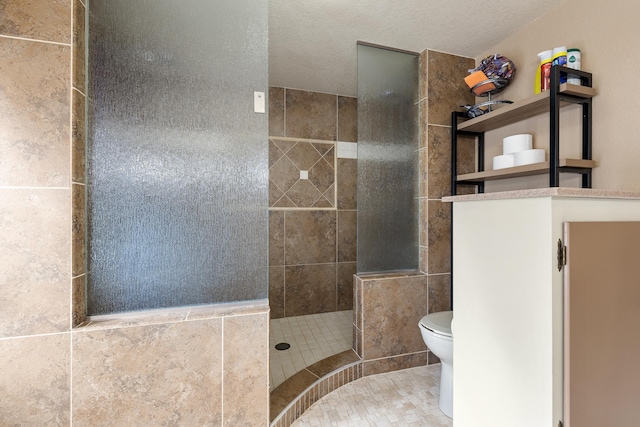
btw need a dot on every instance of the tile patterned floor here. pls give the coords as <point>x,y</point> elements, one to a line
<point>402,398</point>
<point>312,338</point>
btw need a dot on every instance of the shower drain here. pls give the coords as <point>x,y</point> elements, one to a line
<point>283,346</point>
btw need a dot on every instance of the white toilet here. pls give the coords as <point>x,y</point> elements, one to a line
<point>436,333</point>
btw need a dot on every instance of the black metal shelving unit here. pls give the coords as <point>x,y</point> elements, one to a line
<point>550,102</point>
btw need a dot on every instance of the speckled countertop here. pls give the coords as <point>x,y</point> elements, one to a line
<point>546,192</point>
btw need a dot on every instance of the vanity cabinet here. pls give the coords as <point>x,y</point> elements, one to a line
<point>548,102</point>
<point>508,301</point>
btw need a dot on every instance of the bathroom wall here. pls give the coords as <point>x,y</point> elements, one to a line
<point>613,60</point>
<point>154,369</point>
<point>312,217</point>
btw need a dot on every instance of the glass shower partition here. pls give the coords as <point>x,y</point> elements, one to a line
<point>176,157</point>
<point>388,144</point>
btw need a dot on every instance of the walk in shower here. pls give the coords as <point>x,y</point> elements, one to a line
<point>368,223</point>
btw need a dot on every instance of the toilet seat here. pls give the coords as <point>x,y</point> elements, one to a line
<point>438,323</point>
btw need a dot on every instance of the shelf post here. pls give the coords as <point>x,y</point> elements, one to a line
<point>454,152</point>
<point>554,129</point>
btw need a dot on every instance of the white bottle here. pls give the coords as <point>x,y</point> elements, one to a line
<point>573,62</point>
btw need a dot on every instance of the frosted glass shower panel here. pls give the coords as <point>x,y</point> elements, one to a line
<point>387,160</point>
<point>177,159</point>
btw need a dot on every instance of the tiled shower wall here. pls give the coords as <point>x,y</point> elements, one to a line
<point>144,371</point>
<point>442,90</point>
<point>312,199</point>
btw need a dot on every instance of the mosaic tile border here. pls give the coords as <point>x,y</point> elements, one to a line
<point>317,391</point>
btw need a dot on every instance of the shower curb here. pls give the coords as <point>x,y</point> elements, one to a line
<point>316,391</point>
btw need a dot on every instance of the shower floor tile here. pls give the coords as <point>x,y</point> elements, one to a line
<point>313,337</point>
<point>401,398</point>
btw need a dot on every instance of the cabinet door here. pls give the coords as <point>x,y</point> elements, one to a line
<point>602,324</point>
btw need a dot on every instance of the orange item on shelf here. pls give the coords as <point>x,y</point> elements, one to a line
<point>477,77</point>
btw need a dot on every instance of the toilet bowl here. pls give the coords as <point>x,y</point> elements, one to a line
<point>436,333</point>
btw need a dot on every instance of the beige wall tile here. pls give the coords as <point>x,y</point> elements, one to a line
<point>165,374</point>
<point>423,177</point>
<point>357,341</point>
<point>276,111</point>
<point>310,115</point>
<point>79,300</point>
<point>439,293</point>
<point>347,119</point>
<point>466,154</point>
<point>392,309</point>
<point>246,367</point>
<point>423,119</point>
<point>284,174</point>
<point>276,291</point>
<point>439,237</point>
<point>275,153</point>
<point>78,43</point>
<point>358,285</point>
<point>276,237</point>
<point>310,289</point>
<point>424,259</point>
<point>35,108</point>
<point>304,155</point>
<point>439,164</point>
<point>35,379</point>
<point>78,229</point>
<point>78,132</point>
<point>346,270</point>
<point>424,69</point>
<point>275,194</point>
<point>310,237</point>
<point>347,236</point>
<point>347,183</point>
<point>424,222</point>
<point>34,253</point>
<point>446,90</point>
<point>304,194</point>
<point>48,20</point>
<point>322,173</point>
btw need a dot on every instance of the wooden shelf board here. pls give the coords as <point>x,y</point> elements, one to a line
<point>526,170</point>
<point>522,110</point>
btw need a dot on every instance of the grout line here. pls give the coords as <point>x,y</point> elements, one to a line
<point>35,335</point>
<point>76,89</point>
<point>33,188</point>
<point>284,108</point>
<point>222,372</point>
<point>34,40</point>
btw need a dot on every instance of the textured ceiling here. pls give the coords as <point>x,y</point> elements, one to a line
<point>312,43</point>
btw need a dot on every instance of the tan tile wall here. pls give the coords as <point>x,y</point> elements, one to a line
<point>141,372</point>
<point>387,310</point>
<point>312,223</point>
<point>442,90</point>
